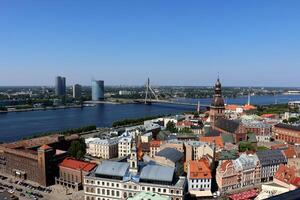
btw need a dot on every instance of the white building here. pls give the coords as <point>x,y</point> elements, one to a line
<point>102,148</point>
<point>199,178</point>
<point>124,146</point>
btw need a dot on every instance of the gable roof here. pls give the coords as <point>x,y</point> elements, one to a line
<point>199,169</point>
<point>157,173</point>
<point>170,153</point>
<point>227,125</point>
<point>271,157</point>
<point>112,168</point>
<point>287,175</point>
<point>217,140</point>
<point>77,164</point>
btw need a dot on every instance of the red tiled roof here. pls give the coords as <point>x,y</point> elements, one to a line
<point>290,152</point>
<point>77,164</point>
<point>268,115</point>
<point>184,123</point>
<point>155,143</point>
<point>249,107</point>
<point>199,169</point>
<point>287,175</point>
<point>231,107</point>
<point>45,147</point>
<point>213,139</point>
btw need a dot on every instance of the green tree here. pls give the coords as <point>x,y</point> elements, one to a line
<point>293,119</point>
<point>171,127</point>
<point>77,149</point>
<point>246,146</point>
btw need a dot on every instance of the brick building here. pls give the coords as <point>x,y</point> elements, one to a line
<point>71,173</point>
<point>287,133</point>
<point>35,159</point>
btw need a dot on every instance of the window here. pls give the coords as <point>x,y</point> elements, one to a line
<point>108,192</point>
<point>117,193</point>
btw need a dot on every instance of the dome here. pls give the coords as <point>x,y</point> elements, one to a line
<point>218,84</point>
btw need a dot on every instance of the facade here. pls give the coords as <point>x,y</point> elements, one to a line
<point>154,147</point>
<point>35,159</point>
<point>60,86</point>
<point>235,174</point>
<point>76,91</point>
<point>287,133</point>
<point>195,150</point>
<point>199,178</point>
<point>270,161</point>
<point>175,144</point>
<point>97,90</point>
<point>124,146</point>
<point>103,148</point>
<point>262,131</point>
<point>148,196</point>
<point>122,180</point>
<point>71,173</point>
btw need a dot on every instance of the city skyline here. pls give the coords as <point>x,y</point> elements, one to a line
<point>174,43</point>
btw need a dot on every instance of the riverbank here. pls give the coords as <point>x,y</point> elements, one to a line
<point>41,109</point>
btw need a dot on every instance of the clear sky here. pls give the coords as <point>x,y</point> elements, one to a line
<point>249,42</point>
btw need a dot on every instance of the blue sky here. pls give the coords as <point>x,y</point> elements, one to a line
<point>250,43</point>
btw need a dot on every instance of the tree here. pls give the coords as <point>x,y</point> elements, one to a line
<point>171,127</point>
<point>246,146</point>
<point>293,119</point>
<point>77,149</point>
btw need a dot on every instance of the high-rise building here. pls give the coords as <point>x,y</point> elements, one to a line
<point>76,91</point>
<point>97,90</point>
<point>60,86</point>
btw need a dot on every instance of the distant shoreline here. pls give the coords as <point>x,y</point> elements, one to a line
<point>39,109</point>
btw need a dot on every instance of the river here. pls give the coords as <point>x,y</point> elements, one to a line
<point>17,125</point>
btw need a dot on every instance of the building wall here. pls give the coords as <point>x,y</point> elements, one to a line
<point>97,90</point>
<point>110,189</point>
<point>101,150</point>
<point>286,135</point>
<point>124,147</point>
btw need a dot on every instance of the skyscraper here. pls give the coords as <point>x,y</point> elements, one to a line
<point>97,90</point>
<point>60,86</point>
<point>76,91</point>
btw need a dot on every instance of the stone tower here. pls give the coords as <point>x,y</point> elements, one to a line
<point>217,108</point>
<point>133,160</point>
<point>45,155</point>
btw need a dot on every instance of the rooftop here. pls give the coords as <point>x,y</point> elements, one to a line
<point>288,126</point>
<point>77,164</point>
<point>217,140</point>
<point>271,157</point>
<point>199,169</point>
<point>112,168</point>
<point>157,173</point>
<point>170,153</point>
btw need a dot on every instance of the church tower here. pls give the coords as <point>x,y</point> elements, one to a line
<point>133,160</point>
<point>217,108</point>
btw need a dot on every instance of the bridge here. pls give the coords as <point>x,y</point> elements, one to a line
<point>157,99</point>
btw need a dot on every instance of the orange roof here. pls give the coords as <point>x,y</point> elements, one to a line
<point>77,164</point>
<point>287,175</point>
<point>155,143</point>
<point>184,123</point>
<point>290,152</point>
<point>45,147</point>
<point>268,115</point>
<point>213,139</point>
<point>199,169</point>
<point>249,107</point>
<point>231,107</point>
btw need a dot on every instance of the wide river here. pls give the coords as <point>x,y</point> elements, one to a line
<point>14,126</point>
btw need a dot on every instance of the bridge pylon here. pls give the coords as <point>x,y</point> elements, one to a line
<point>149,91</point>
